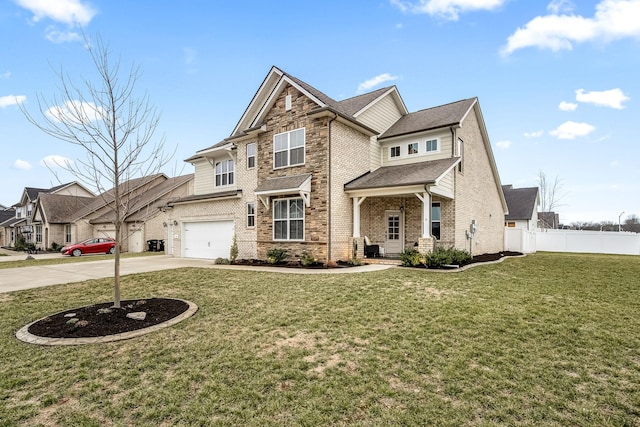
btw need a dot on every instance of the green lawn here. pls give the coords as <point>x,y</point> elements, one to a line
<point>548,339</point>
<point>23,262</point>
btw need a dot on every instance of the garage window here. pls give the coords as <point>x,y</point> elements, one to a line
<point>288,219</point>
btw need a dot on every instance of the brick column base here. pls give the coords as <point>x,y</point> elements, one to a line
<point>426,244</point>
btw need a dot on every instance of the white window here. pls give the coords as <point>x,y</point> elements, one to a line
<point>287,102</point>
<point>394,152</point>
<point>38,233</point>
<point>288,148</point>
<point>224,173</point>
<point>432,145</point>
<point>251,214</point>
<point>251,155</point>
<point>288,219</point>
<point>435,220</point>
<point>29,210</point>
<point>67,233</point>
<point>412,148</point>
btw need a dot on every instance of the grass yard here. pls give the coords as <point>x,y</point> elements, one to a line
<point>23,262</point>
<point>549,339</point>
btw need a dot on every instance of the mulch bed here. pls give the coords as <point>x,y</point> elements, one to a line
<point>97,321</point>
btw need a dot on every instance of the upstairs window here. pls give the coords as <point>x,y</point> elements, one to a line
<point>394,152</point>
<point>224,173</point>
<point>412,148</point>
<point>288,219</point>
<point>251,155</point>
<point>432,145</point>
<point>288,148</point>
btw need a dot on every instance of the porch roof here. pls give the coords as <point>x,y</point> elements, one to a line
<point>403,175</point>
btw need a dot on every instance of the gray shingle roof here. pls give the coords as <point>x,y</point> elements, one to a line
<point>431,118</point>
<point>60,209</point>
<point>352,105</point>
<point>521,202</point>
<point>403,175</point>
<point>282,183</point>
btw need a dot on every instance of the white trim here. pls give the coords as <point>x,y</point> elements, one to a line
<point>304,191</point>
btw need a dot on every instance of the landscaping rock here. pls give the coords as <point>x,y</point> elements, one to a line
<point>138,315</point>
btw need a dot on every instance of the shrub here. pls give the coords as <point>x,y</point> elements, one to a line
<point>438,258</point>
<point>221,261</point>
<point>411,258</point>
<point>460,256</point>
<point>55,247</point>
<point>276,255</point>
<point>308,259</point>
<point>233,252</point>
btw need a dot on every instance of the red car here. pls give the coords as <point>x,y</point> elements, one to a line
<point>99,245</point>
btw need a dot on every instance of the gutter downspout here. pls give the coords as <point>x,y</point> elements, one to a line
<point>330,206</point>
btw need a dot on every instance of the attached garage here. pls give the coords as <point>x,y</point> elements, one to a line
<point>209,240</point>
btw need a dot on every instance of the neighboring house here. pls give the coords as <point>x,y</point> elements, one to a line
<point>548,220</point>
<point>304,172</point>
<point>7,217</point>
<point>523,207</point>
<point>32,228</point>
<point>143,219</point>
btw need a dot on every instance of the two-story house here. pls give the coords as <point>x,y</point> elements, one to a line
<point>304,172</point>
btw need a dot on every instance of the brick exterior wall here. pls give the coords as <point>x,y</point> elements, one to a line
<point>349,159</point>
<point>477,194</point>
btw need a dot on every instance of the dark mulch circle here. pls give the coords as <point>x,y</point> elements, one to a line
<point>97,321</point>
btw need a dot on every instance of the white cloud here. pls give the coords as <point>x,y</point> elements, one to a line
<point>572,130</point>
<point>56,161</point>
<point>567,106</point>
<point>8,100</point>
<point>22,165</point>
<point>613,19</point>
<point>71,12</point>
<point>535,134</point>
<point>55,36</point>
<point>607,98</point>
<point>74,112</point>
<point>447,9</point>
<point>6,74</point>
<point>558,6</point>
<point>503,144</point>
<point>377,80</point>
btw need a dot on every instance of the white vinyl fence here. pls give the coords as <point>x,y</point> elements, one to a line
<point>519,240</point>
<point>601,242</point>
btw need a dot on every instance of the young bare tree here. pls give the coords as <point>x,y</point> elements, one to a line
<point>551,192</point>
<point>106,118</point>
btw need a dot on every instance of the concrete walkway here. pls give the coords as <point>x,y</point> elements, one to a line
<point>14,279</point>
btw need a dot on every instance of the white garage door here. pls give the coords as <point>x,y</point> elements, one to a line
<point>209,240</point>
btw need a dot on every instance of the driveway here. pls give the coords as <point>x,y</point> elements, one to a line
<point>15,279</point>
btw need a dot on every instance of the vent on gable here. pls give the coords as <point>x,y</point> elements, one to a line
<point>287,103</point>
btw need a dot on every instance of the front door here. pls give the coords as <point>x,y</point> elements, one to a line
<point>394,236</point>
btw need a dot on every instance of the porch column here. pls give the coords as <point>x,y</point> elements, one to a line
<point>357,201</point>
<point>425,198</point>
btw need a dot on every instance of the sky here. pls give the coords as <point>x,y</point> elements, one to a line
<point>558,82</point>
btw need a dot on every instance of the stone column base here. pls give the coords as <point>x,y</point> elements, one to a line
<point>426,244</point>
<point>357,247</point>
